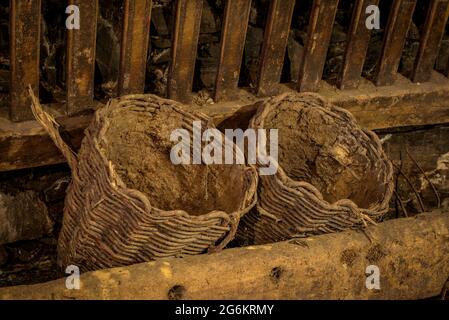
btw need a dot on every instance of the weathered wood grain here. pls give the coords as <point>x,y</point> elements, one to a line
<point>134,47</point>
<point>25,26</point>
<point>398,24</point>
<point>412,255</point>
<point>184,48</point>
<point>81,45</point>
<point>321,23</point>
<point>233,35</point>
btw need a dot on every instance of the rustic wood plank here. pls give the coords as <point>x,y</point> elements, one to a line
<point>398,24</point>
<point>26,144</point>
<point>184,48</point>
<point>275,42</point>
<point>411,254</point>
<point>81,57</point>
<point>134,47</point>
<point>319,34</point>
<point>357,46</point>
<point>432,35</point>
<point>25,26</point>
<point>233,35</point>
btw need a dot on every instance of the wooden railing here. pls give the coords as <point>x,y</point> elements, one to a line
<point>25,40</point>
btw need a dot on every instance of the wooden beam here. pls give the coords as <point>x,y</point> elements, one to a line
<point>398,24</point>
<point>25,145</point>
<point>134,47</point>
<point>275,42</point>
<point>319,34</point>
<point>81,45</point>
<point>184,48</point>
<point>25,26</point>
<point>233,35</point>
<point>411,254</point>
<point>431,37</point>
<point>356,47</point>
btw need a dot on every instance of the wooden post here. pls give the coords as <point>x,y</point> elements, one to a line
<point>319,34</point>
<point>395,34</point>
<point>274,44</point>
<point>233,35</point>
<point>134,47</point>
<point>357,45</point>
<point>412,255</point>
<point>432,35</point>
<point>81,57</point>
<point>25,27</point>
<point>184,48</point>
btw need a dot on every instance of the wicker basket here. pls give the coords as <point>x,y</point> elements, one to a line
<point>127,203</point>
<point>332,175</point>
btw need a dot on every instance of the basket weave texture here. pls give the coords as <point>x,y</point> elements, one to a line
<point>127,203</point>
<point>332,175</point>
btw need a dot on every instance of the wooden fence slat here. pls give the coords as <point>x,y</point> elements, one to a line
<point>81,57</point>
<point>134,46</point>
<point>275,42</point>
<point>398,24</point>
<point>319,34</point>
<point>233,35</point>
<point>357,46</point>
<point>25,29</point>
<point>432,35</point>
<point>184,48</point>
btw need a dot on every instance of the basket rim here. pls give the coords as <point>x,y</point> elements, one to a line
<point>101,115</point>
<point>296,186</point>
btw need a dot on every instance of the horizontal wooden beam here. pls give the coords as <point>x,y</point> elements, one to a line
<point>411,254</point>
<point>25,145</point>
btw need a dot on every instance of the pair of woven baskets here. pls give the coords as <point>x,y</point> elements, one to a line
<point>128,203</point>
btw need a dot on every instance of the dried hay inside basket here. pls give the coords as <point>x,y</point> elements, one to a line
<point>332,175</point>
<point>129,203</point>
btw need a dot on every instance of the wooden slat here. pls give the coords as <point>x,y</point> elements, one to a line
<point>81,57</point>
<point>432,35</point>
<point>395,34</point>
<point>275,42</point>
<point>233,35</point>
<point>134,47</point>
<point>24,49</point>
<point>318,37</point>
<point>26,145</point>
<point>184,49</point>
<point>357,45</point>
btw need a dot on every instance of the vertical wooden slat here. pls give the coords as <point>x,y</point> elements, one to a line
<point>24,50</point>
<point>184,49</point>
<point>357,46</point>
<point>81,57</point>
<point>233,35</point>
<point>398,24</point>
<point>319,34</point>
<point>134,46</point>
<point>275,42</point>
<point>431,37</point>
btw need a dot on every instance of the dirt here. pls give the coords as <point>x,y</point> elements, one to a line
<point>139,148</point>
<point>326,148</point>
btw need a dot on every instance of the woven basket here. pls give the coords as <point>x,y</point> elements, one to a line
<point>332,175</point>
<point>127,203</point>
